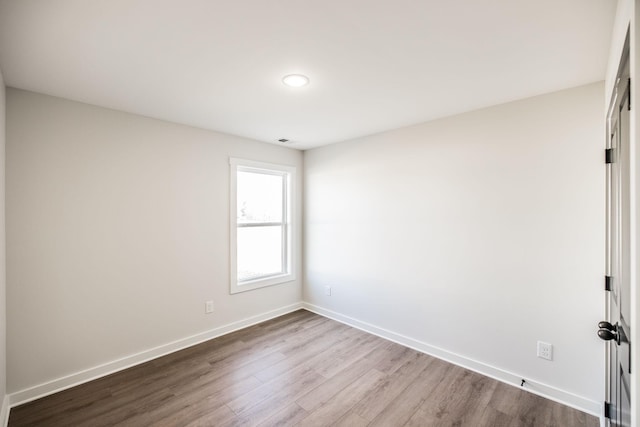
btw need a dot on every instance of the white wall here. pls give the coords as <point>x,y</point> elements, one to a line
<point>477,234</point>
<point>117,234</point>
<point>3,347</point>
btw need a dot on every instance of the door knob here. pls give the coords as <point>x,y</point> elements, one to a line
<point>606,325</point>
<point>607,335</point>
<point>608,332</point>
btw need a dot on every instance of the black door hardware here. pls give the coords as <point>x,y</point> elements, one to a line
<point>607,331</point>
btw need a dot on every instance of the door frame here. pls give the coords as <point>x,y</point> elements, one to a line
<point>618,245</point>
<point>628,20</point>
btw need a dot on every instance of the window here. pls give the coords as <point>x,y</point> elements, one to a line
<point>261,224</point>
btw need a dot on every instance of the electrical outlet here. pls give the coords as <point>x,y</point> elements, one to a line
<point>208,307</point>
<point>327,290</point>
<point>545,350</point>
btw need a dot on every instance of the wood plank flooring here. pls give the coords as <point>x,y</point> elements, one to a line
<point>300,369</point>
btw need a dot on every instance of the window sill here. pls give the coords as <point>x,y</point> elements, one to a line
<point>260,283</point>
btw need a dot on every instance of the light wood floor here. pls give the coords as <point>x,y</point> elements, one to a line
<point>299,369</point>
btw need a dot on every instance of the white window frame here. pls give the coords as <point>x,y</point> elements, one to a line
<point>288,241</point>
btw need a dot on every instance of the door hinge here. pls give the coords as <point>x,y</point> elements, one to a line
<point>608,155</point>
<point>607,410</point>
<point>607,283</point>
<point>629,103</point>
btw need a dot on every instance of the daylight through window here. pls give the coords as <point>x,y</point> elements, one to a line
<point>261,224</point>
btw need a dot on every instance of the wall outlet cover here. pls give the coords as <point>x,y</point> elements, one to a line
<point>545,350</point>
<point>208,307</point>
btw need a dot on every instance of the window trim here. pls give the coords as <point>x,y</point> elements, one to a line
<point>288,221</point>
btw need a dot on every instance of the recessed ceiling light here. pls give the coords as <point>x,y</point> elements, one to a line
<point>295,80</point>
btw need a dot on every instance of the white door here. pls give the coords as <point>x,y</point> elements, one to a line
<point>615,329</point>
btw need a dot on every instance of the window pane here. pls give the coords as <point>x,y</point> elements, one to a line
<point>259,252</point>
<point>259,197</point>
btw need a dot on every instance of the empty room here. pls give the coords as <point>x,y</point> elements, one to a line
<point>331,213</point>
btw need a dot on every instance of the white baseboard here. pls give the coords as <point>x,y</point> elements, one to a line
<point>4,411</point>
<point>566,398</point>
<point>63,383</point>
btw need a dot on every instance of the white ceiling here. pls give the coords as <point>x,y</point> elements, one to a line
<point>374,65</point>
